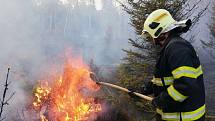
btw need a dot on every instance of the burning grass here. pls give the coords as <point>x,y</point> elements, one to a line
<point>66,98</point>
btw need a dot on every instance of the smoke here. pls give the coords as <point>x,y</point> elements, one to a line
<point>35,33</point>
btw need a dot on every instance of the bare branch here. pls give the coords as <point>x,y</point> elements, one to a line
<point>10,97</point>
<point>4,100</point>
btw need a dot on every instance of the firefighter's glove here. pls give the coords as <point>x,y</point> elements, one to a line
<point>133,96</point>
<point>144,90</point>
<point>156,103</point>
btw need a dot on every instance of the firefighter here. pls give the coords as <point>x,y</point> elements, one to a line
<point>177,84</point>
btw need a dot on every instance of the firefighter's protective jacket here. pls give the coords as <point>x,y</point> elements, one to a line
<point>178,82</point>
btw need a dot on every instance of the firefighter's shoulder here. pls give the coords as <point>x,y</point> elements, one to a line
<point>178,44</point>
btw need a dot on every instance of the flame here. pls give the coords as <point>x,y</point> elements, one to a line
<point>43,118</point>
<point>41,95</point>
<point>65,98</point>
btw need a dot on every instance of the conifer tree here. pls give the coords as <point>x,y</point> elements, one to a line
<point>138,64</point>
<point>210,45</point>
<point>212,27</point>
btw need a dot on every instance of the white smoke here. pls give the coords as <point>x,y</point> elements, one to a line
<point>35,33</point>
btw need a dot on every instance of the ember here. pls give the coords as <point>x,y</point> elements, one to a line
<point>64,99</point>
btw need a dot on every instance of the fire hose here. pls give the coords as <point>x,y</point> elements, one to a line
<point>93,77</point>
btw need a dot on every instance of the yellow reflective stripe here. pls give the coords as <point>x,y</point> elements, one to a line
<point>186,116</point>
<point>168,80</point>
<point>177,96</point>
<point>158,81</point>
<point>194,115</point>
<point>187,71</point>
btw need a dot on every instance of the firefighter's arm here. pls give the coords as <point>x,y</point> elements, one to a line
<point>185,70</point>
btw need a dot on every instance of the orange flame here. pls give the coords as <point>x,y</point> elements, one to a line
<point>65,97</point>
<point>43,118</point>
<point>41,95</point>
